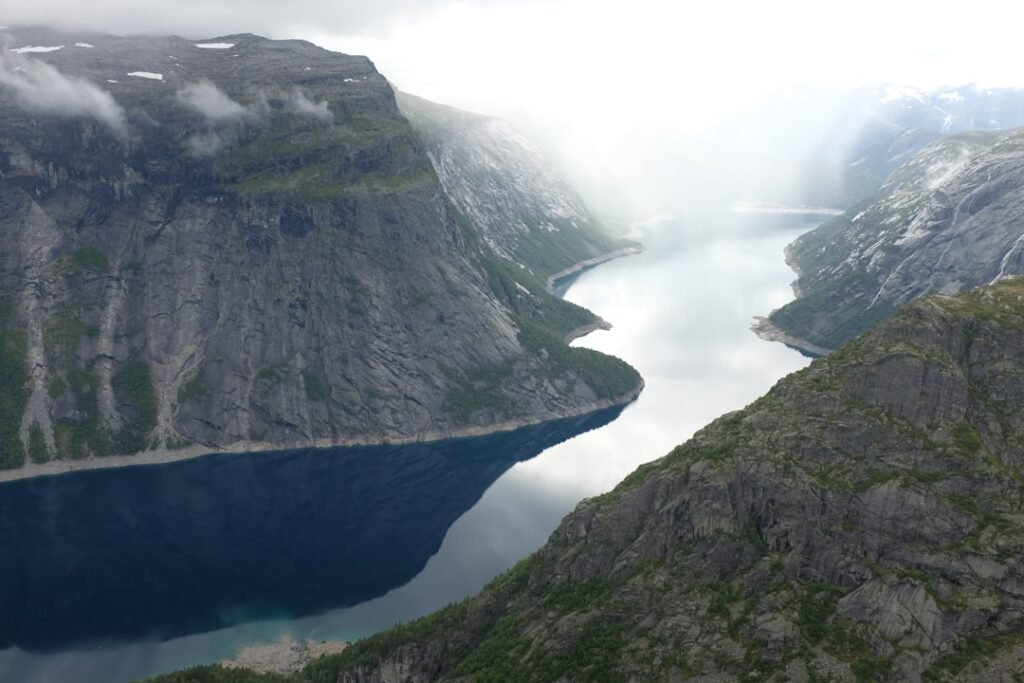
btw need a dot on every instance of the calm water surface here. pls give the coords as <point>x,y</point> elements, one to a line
<point>113,576</point>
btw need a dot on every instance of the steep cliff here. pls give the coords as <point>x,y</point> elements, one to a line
<point>949,219</point>
<point>860,522</point>
<point>241,243</point>
<point>525,209</point>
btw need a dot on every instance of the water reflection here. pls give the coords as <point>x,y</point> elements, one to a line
<point>681,311</point>
<point>157,552</point>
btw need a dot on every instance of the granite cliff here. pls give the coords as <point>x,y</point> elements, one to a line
<point>949,219</point>
<point>242,243</point>
<point>525,209</point>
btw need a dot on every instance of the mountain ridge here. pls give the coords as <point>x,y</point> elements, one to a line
<point>946,220</point>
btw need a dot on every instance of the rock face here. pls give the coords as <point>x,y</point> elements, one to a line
<point>505,185</point>
<point>242,242</point>
<point>860,522</point>
<point>950,219</point>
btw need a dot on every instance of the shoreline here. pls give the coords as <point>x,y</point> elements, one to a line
<point>584,330</point>
<point>764,328</point>
<point>590,263</point>
<point>284,657</point>
<point>165,456</point>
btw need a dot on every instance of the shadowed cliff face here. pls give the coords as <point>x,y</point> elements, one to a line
<point>240,241</point>
<point>193,546</point>
<point>860,522</point>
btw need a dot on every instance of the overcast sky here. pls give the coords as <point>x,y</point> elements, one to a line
<point>588,71</point>
<point>600,57</point>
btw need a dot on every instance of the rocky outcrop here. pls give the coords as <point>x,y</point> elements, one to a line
<point>242,243</point>
<point>950,219</point>
<point>860,522</point>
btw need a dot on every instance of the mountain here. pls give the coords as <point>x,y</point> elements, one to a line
<point>525,209</point>
<point>803,146</point>
<point>949,219</point>
<point>901,120</point>
<point>860,522</point>
<point>242,244</point>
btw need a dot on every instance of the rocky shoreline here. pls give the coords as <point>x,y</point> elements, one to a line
<point>285,657</point>
<point>764,328</point>
<point>584,330</point>
<point>164,456</point>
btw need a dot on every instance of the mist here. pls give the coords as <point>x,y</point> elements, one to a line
<point>648,107</point>
<point>37,86</point>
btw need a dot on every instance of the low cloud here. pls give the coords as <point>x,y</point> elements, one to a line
<point>300,104</point>
<point>40,87</point>
<point>207,99</point>
<point>205,144</point>
<point>221,112</point>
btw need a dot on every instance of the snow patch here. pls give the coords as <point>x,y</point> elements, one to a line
<point>894,93</point>
<point>87,45</point>
<point>146,74</point>
<point>215,46</point>
<point>111,80</point>
<point>36,48</point>
<point>954,96</point>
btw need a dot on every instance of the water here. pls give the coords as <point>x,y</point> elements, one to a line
<point>121,574</point>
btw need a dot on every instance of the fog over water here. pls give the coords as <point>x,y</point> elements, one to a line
<point>681,312</point>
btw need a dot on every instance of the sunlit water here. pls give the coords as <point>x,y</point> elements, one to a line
<point>681,311</point>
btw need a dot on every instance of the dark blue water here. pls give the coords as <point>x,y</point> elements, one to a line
<point>110,576</point>
<point>161,551</point>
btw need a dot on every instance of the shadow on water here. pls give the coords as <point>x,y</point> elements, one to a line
<point>160,551</point>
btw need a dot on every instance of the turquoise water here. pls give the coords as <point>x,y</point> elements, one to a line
<point>126,573</point>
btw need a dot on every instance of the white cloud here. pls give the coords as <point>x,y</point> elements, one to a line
<point>299,103</point>
<point>40,87</point>
<point>207,99</point>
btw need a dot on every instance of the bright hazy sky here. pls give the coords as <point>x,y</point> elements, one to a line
<point>603,59</point>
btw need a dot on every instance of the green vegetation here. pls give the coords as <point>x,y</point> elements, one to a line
<point>306,160</point>
<point>476,390</point>
<point>13,379</point>
<point>76,439</point>
<point>218,674</point>
<point>37,450</point>
<point>90,259</point>
<point>62,334</point>
<point>194,389</point>
<point>133,384</point>
<point>316,388</point>
<point>974,649</point>
<point>817,605</point>
<point>370,650</point>
<point>608,376</point>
